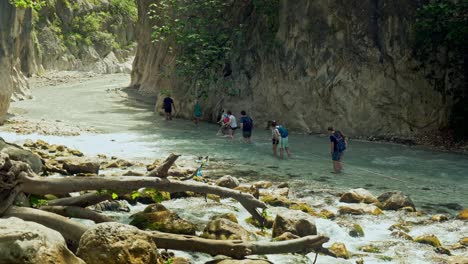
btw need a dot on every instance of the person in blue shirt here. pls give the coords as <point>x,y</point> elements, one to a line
<point>337,147</point>
<point>168,104</point>
<point>246,124</point>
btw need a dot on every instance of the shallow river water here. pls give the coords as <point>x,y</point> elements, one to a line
<point>435,181</point>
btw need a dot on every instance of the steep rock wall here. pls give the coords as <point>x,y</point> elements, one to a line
<point>14,42</point>
<point>346,63</point>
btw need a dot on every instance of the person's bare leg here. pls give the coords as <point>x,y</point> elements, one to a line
<point>275,150</point>
<point>281,152</point>
<point>288,151</point>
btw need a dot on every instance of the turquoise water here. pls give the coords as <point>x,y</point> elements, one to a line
<point>430,178</point>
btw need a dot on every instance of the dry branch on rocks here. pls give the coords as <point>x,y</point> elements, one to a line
<point>16,177</point>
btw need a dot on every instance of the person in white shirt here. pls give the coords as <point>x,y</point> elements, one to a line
<point>232,124</point>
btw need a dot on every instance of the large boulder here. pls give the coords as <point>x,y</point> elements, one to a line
<point>19,154</point>
<point>157,217</point>
<point>358,196</point>
<point>224,229</point>
<point>295,222</point>
<point>395,200</point>
<point>359,209</point>
<point>115,243</point>
<point>77,165</point>
<point>228,181</point>
<point>23,242</point>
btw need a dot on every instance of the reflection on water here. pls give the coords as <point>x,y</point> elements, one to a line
<point>132,130</point>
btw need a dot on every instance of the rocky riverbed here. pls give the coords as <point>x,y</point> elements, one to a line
<point>363,227</point>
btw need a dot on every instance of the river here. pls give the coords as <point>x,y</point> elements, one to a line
<point>129,128</point>
<point>433,179</point>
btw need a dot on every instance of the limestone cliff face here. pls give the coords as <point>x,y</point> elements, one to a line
<point>346,63</point>
<point>14,42</point>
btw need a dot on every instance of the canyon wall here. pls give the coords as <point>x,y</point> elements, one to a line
<point>14,45</point>
<point>346,63</point>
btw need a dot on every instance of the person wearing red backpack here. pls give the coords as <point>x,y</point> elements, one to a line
<point>337,147</point>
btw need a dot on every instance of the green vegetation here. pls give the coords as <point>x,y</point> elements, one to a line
<point>441,30</point>
<point>205,34</point>
<point>37,202</point>
<point>36,4</point>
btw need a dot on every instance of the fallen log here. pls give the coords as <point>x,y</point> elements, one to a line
<point>122,184</point>
<point>70,230</point>
<point>77,212</point>
<point>162,171</point>
<point>237,248</point>
<point>84,200</point>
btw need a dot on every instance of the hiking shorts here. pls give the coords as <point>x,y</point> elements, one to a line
<point>284,143</point>
<point>247,134</point>
<point>336,155</point>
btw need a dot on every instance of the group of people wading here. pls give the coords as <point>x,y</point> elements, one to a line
<point>279,133</point>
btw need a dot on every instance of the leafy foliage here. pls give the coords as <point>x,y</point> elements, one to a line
<point>36,4</point>
<point>204,35</point>
<point>37,202</point>
<point>441,31</point>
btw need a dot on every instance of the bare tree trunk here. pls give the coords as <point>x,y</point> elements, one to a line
<point>162,171</point>
<point>237,248</point>
<point>41,186</point>
<point>84,200</point>
<point>77,212</point>
<point>70,230</point>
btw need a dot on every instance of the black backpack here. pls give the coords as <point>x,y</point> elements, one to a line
<point>248,123</point>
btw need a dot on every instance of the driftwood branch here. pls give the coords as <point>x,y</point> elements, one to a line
<point>41,186</point>
<point>70,230</point>
<point>84,200</point>
<point>77,212</point>
<point>237,248</point>
<point>162,171</point>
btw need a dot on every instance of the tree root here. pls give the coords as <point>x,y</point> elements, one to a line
<point>162,171</point>
<point>41,186</point>
<point>77,212</point>
<point>84,200</point>
<point>237,248</point>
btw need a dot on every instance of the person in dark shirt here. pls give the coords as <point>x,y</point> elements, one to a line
<point>336,140</point>
<point>168,104</point>
<point>246,124</point>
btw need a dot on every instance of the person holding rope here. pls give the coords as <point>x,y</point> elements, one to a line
<point>337,147</point>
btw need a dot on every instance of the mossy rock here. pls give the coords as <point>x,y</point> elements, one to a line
<point>464,241</point>
<point>276,200</point>
<point>224,229</point>
<point>303,207</point>
<point>339,250</point>
<point>157,217</point>
<point>229,216</point>
<point>370,249</point>
<point>439,218</point>
<point>429,240</point>
<point>75,152</point>
<point>268,224</point>
<point>443,250</point>
<point>401,234</point>
<point>327,214</point>
<point>50,197</point>
<point>356,231</point>
<point>385,258</point>
<point>399,226</point>
<point>463,215</point>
